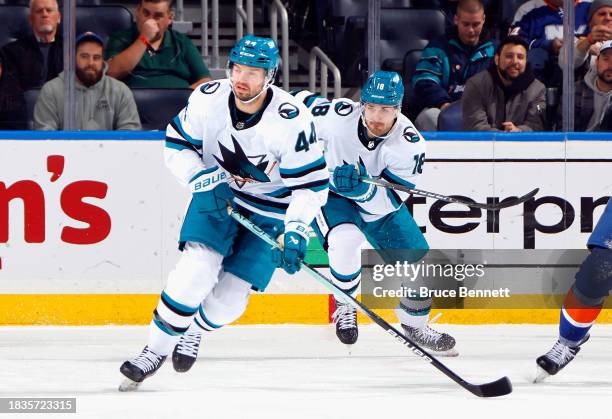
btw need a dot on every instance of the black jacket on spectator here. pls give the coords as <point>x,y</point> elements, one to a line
<point>12,104</point>
<point>25,61</point>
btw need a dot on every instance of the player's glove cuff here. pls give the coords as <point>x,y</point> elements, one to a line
<point>299,228</point>
<point>208,179</point>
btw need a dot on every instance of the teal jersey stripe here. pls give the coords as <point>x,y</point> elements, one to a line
<point>177,305</point>
<point>203,172</point>
<point>176,124</point>
<point>320,187</point>
<point>208,322</point>
<point>305,168</point>
<point>389,176</point>
<point>394,198</point>
<point>261,206</point>
<point>282,192</point>
<point>165,329</point>
<point>345,278</point>
<point>176,146</point>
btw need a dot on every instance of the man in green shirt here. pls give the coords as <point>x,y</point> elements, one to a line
<point>149,54</point>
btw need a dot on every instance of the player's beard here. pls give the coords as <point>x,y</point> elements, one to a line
<point>88,78</point>
<point>505,75</point>
<point>380,132</point>
<point>605,76</point>
<point>246,94</point>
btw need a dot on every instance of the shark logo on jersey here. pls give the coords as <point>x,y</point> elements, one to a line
<point>239,165</point>
<point>288,111</point>
<point>410,135</point>
<point>343,108</point>
<point>210,87</point>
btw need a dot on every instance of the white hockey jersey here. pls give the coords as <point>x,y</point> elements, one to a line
<point>398,158</point>
<point>275,161</point>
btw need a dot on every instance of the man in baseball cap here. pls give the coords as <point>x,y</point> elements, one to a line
<point>594,92</point>
<point>600,30</point>
<point>102,103</point>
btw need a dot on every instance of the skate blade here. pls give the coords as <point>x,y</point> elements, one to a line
<point>451,353</point>
<point>541,375</point>
<point>128,385</point>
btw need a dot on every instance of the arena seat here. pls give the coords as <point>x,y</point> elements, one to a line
<point>403,30</point>
<point>451,118</point>
<point>343,22</point>
<point>156,107</point>
<point>396,3</point>
<point>103,20</point>
<point>30,101</point>
<point>14,23</point>
<point>410,106</point>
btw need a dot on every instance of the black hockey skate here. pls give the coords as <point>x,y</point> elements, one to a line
<point>345,318</point>
<point>186,351</point>
<point>556,359</point>
<point>441,344</point>
<point>139,368</point>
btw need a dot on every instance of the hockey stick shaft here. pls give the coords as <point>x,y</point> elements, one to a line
<point>496,388</point>
<point>500,205</point>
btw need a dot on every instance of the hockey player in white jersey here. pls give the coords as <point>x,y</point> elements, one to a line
<point>244,142</point>
<point>371,139</point>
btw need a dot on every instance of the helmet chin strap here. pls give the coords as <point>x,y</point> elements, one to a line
<point>269,80</point>
<point>370,133</point>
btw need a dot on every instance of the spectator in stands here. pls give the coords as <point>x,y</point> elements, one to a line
<point>102,103</point>
<point>12,105</point>
<point>540,22</point>
<point>507,97</point>
<point>150,54</point>
<point>593,94</point>
<point>600,30</point>
<point>448,61</point>
<point>37,57</point>
<point>449,8</point>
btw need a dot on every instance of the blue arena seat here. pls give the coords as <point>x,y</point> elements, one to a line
<point>156,107</point>
<point>403,30</point>
<point>13,23</point>
<point>342,23</point>
<point>410,106</point>
<point>396,3</point>
<point>30,101</point>
<point>509,8</point>
<point>411,58</point>
<point>451,118</point>
<point>103,20</point>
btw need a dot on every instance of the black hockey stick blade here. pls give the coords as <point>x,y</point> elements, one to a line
<point>496,388</point>
<point>451,199</point>
<point>513,202</point>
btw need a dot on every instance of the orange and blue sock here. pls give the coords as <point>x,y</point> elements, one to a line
<point>576,319</point>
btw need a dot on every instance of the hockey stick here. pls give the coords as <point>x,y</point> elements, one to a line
<point>500,387</point>
<point>493,207</point>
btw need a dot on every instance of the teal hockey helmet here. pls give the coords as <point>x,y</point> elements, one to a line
<point>255,51</point>
<point>383,88</point>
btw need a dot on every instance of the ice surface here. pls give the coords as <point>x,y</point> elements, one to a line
<point>304,372</point>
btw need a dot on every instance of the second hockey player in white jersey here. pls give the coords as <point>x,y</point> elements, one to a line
<point>371,139</point>
<point>246,143</point>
